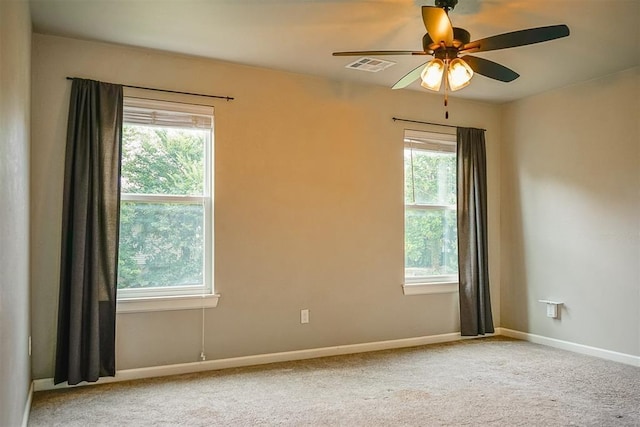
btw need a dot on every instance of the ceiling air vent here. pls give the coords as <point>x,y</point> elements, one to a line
<point>371,65</point>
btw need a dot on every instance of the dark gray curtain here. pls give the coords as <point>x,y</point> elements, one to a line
<point>475,303</point>
<point>90,224</point>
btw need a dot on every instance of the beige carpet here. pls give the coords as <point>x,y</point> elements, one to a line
<point>491,381</point>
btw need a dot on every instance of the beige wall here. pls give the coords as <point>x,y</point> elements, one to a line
<point>15,59</point>
<point>308,211</point>
<point>571,213</point>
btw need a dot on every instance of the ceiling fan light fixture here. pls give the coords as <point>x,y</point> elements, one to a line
<point>431,76</point>
<point>459,74</point>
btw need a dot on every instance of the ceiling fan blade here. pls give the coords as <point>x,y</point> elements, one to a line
<point>380,52</point>
<point>490,69</point>
<point>409,78</point>
<point>438,25</point>
<point>517,38</point>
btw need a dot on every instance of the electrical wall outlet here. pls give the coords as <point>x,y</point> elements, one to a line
<point>304,316</point>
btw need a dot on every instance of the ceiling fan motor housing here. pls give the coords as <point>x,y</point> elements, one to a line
<point>446,4</point>
<point>460,38</point>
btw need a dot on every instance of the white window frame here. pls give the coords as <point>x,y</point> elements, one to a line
<point>153,112</point>
<point>429,141</point>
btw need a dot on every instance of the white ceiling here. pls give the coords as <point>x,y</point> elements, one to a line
<point>300,35</point>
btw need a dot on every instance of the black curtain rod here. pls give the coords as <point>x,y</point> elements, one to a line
<point>426,123</point>
<point>228,98</point>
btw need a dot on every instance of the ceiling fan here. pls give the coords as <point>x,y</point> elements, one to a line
<point>451,46</point>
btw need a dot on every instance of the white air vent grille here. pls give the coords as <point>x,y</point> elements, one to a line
<point>371,65</point>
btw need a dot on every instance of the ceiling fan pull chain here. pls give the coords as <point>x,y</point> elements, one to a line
<point>446,93</point>
<point>446,104</point>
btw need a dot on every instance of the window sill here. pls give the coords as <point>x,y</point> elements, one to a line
<point>430,288</point>
<point>188,302</point>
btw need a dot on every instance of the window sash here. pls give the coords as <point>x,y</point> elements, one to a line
<point>429,142</point>
<point>204,288</point>
<point>144,112</point>
<point>435,278</point>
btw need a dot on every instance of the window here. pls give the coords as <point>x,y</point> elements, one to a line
<point>166,212</point>
<point>430,229</point>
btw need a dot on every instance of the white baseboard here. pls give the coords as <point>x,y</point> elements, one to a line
<point>27,406</point>
<point>260,359</point>
<point>570,346</point>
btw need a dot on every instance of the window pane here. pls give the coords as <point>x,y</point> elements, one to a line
<point>431,246</point>
<point>430,177</point>
<point>161,244</point>
<point>158,160</point>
